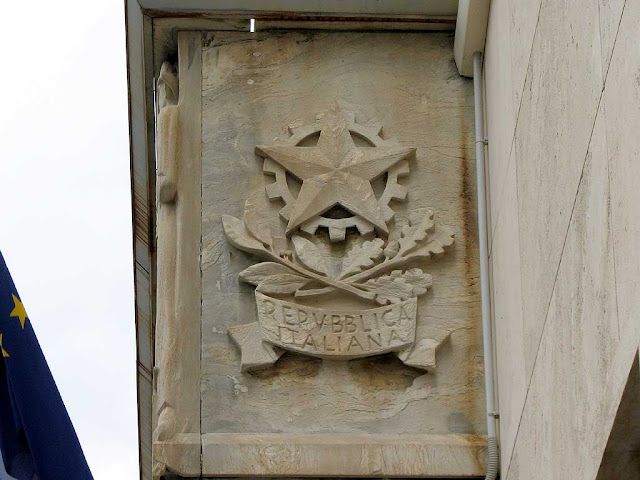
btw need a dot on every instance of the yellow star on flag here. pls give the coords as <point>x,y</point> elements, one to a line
<point>4,352</point>
<point>18,310</point>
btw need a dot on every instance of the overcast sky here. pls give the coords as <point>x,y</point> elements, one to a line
<point>66,210</point>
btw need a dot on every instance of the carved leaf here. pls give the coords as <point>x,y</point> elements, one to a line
<point>416,231</point>
<point>239,237</point>
<point>399,285</point>
<point>256,217</point>
<point>282,283</point>
<point>362,256</point>
<point>255,274</point>
<point>421,281</point>
<point>309,254</point>
<point>392,249</point>
<point>440,238</point>
<point>389,289</point>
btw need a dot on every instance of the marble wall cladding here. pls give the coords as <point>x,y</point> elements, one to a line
<point>577,349</point>
<point>254,87</point>
<point>507,313</point>
<point>610,15</point>
<point>499,106</point>
<point>622,99</point>
<point>558,109</point>
<point>562,190</point>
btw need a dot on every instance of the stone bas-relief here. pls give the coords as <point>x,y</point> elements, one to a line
<point>257,93</point>
<point>289,402</point>
<point>335,172</point>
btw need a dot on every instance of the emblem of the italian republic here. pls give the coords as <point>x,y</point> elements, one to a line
<point>338,281</point>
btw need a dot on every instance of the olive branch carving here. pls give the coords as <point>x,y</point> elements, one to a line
<point>363,270</point>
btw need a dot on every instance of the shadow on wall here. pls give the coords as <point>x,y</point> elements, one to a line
<point>621,459</point>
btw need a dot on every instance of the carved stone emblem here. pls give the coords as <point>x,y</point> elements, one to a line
<point>335,210</point>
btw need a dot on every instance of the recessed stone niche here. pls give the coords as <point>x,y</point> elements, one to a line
<point>318,291</point>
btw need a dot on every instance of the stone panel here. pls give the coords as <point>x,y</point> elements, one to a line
<point>344,456</point>
<point>556,119</point>
<point>254,87</point>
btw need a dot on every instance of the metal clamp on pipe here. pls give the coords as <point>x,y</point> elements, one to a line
<point>493,459</point>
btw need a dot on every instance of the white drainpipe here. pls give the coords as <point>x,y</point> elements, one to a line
<point>487,339</point>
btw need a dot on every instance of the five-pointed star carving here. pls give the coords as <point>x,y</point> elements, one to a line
<point>18,310</point>
<point>336,172</point>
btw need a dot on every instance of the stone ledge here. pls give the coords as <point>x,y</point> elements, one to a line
<point>179,456</point>
<point>343,455</point>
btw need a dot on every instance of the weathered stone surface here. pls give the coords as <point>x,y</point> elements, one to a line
<point>345,455</point>
<point>254,86</point>
<point>178,456</point>
<point>176,399</point>
<point>256,353</point>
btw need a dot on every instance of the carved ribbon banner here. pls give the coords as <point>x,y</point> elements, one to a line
<point>337,334</point>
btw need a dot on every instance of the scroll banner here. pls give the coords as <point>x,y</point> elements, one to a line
<point>334,334</point>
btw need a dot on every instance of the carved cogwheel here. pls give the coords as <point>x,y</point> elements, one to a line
<point>337,226</point>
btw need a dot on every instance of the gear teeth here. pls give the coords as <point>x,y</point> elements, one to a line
<point>337,234</point>
<point>293,130</point>
<point>285,212</point>
<point>270,166</point>
<point>309,228</point>
<point>374,130</point>
<point>399,192</point>
<point>369,131</point>
<point>336,227</point>
<point>364,228</point>
<point>403,168</point>
<point>387,213</point>
<point>349,116</point>
<point>273,191</point>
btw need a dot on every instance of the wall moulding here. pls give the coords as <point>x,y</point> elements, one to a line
<point>344,456</point>
<point>295,7</point>
<point>166,26</point>
<point>176,401</point>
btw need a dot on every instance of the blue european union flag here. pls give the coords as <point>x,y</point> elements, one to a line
<point>37,439</point>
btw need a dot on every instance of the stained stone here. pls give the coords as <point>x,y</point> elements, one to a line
<point>254,89</point>
<point>340,326</point>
